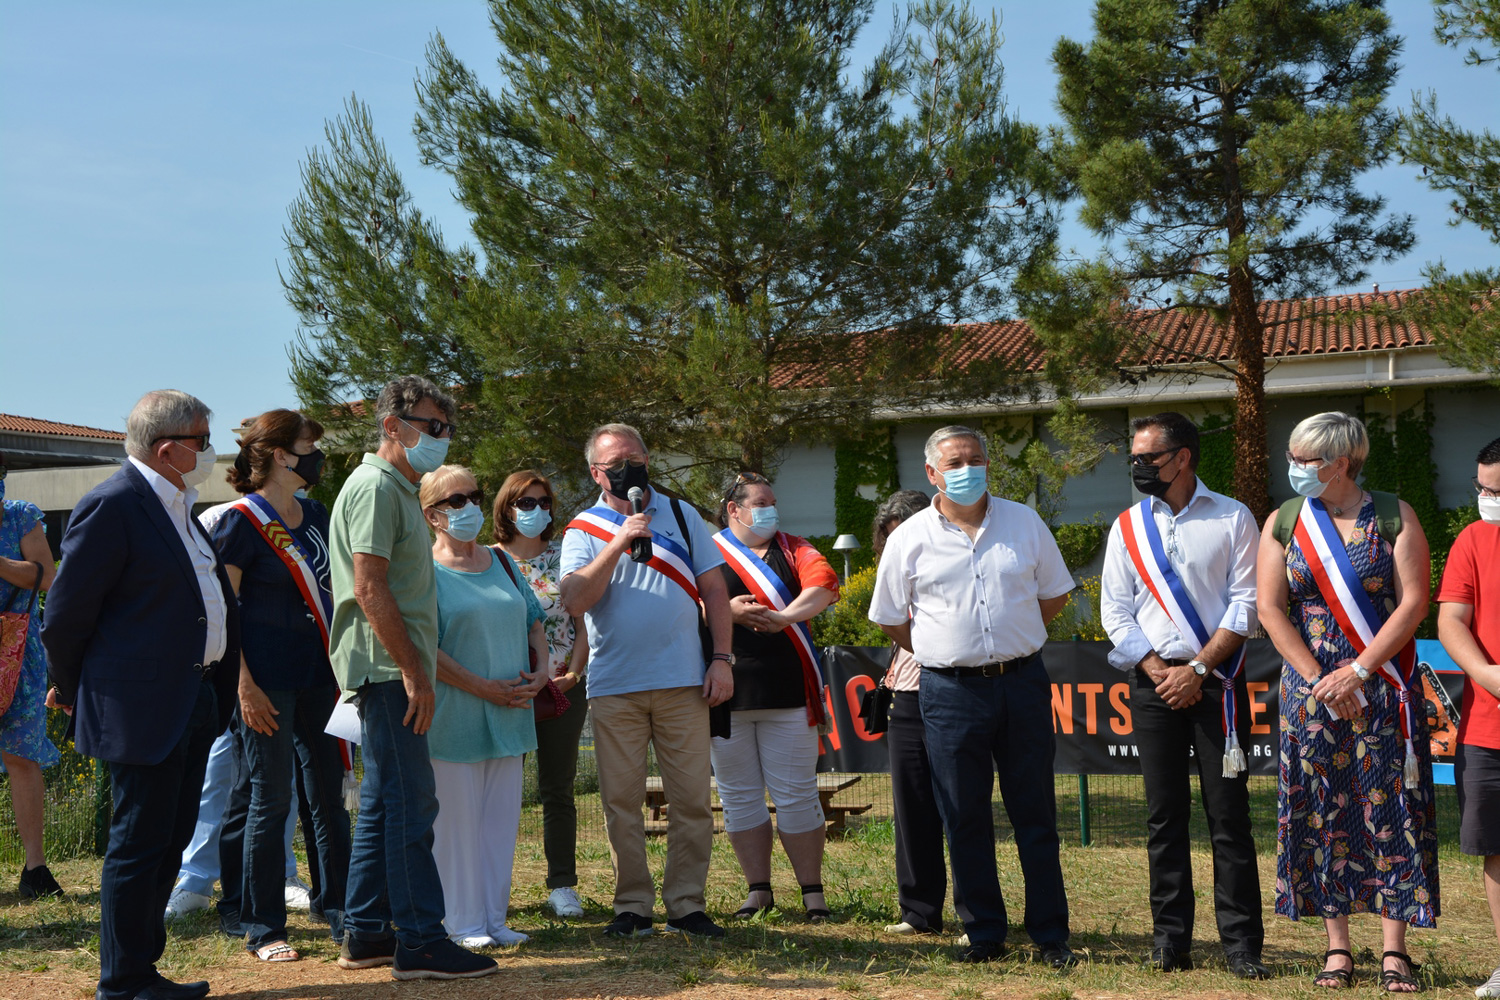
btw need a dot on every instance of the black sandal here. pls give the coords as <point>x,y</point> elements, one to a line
<point>1390,977</point>
<point>749,910</point>
<point>815,914</point>
<point>1339,979</point>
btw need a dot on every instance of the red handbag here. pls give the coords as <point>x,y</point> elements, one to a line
<point>14,626</point>
<point>549,702</point>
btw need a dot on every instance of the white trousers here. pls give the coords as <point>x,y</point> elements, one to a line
<point>775,750</point>
<point>474,841</point>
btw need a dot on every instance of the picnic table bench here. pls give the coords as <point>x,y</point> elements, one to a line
<point>829,785</point>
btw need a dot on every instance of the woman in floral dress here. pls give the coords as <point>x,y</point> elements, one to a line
<point>1354,834</point>
<point>523,529</point>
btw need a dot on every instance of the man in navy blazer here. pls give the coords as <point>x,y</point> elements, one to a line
<point>142,638</point>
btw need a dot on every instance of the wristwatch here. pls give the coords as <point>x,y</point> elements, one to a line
<point>1199,667</point>
<point>726,657</point>
<point>1359,671</point>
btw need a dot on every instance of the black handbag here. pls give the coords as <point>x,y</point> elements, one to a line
<point>875,705</point>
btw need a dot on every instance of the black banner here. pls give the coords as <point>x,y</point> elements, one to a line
<point>1090,707</point>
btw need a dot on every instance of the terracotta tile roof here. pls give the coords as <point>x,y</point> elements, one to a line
<point>31,425</point>
<point>1335,324</point>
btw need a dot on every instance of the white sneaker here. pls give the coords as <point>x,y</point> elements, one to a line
<point>182,902</point>
<point>477,942</point>
<point>298,894</point>
<point>902,928</point>
<point>565,902</point>
<point>963,941</point>
<point>1490,988</point>
<point>505,937</point>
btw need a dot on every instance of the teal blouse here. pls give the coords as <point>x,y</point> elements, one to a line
<point>483,623</point>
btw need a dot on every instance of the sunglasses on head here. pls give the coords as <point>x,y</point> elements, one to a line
<point>456,500</point>
<point>532,503</point>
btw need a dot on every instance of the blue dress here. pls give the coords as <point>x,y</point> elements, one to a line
<point>23,729</point>
<point>1350,837</point>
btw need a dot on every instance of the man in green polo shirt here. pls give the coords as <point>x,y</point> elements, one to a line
<point>383,644</point>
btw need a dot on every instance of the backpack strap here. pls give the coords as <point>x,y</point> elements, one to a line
<point>1286,520</point>
<point>1387,515</point>
<point>687,536</point>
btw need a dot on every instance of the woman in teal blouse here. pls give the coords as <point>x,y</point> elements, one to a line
<point>482,726</point>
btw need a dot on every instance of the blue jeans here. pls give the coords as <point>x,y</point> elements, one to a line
<point>976,727</point>
<point>299,742</point>
<point>393,878</point>
<point>200,862</point>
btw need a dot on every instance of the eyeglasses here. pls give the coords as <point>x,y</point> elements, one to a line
<point>1150,457</point>
<point>430,425</point>
<point>457,500</point>
<point>618,467</point>
<point>532,503</point>
<point>1488,492</point>
<point>1310,463</point>
<point>202,439</point>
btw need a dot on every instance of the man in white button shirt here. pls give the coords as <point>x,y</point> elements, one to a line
<point>967,586</point>
<point>1178,600</point>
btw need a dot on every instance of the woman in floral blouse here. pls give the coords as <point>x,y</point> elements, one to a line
<point>523,530</point>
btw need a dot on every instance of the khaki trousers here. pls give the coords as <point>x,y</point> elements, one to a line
<point>675,722</point>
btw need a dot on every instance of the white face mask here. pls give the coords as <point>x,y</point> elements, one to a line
<point>203,467</point>
<point>1489,510</point>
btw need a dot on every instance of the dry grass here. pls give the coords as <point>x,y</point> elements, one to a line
<point>49,949</point>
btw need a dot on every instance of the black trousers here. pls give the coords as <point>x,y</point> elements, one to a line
<point>1172,742</point>
<point>921,872</point>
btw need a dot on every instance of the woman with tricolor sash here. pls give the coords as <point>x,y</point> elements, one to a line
<point>777,583</point>
<point>274,545</point>
<point>1343,585</point>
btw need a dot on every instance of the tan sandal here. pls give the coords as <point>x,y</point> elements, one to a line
<point>277,951</point>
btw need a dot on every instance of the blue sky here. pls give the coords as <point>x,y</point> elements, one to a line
<point>149,150</point>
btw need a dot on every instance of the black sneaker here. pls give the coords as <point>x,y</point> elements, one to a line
<point>38,882</point>
<point>359,954</point>
<point>696,924</point>
<point>441,959</point>
<point>982,951</point>
<point>627,924</point>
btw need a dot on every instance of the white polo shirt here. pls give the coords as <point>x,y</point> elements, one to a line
<point>970,602</point>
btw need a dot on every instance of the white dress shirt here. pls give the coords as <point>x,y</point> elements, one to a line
<point>970,602</point>
<point>179,507</point>
<point>1211,544</point>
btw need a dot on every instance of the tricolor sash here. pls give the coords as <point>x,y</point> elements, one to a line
<point>668,557</point>
<point>259,512</point>
<point>1143,542</point>
<point>1328,560</point>
<point>769,589</point>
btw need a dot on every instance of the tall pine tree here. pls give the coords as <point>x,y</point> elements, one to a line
<point>684,216</point>
<point>1216,145</point>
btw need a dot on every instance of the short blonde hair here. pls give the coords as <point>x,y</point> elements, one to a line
<point>438,484</point>
<point>1333,435</point>
<point>612,430</point>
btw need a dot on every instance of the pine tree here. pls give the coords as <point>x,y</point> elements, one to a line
<point>1216,145</point>
<point>684,217</point>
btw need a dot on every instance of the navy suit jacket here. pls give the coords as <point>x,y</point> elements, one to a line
<point>125,626</point>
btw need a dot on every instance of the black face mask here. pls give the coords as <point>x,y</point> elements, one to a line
<point>620,483</point>
<point>309,467</point>
<point>1148,480</point>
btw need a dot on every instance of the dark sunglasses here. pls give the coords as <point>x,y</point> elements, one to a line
<point>1150,457</point>
<point>456,500</point>
<point>532,503</point>
<point>202,439</point>
<point>432,425</point>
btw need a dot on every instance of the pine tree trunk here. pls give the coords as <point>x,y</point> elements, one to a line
<point>1250,486</point>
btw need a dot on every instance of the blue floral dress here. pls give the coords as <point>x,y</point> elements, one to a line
<point>23,729</point>
<point>1350,838</point>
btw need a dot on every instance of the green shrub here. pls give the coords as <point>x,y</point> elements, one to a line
<point>847,623</point>
<point>1078,542</point>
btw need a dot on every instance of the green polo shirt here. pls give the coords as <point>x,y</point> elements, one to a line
<point>377,514</point>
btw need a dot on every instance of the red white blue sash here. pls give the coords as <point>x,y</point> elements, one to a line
<point>261,514</point>
<point>768,589</point>
<point>1143,542</point>
<point>1328,560</point>
<point>667,557</point>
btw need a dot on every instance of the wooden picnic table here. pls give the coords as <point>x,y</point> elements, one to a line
<point>829,784</point>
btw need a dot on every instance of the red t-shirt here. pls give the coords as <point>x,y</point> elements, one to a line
<point>1464,582</point>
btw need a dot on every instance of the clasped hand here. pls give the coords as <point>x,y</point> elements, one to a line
<point>1340,690</point>
<point>755,616</point>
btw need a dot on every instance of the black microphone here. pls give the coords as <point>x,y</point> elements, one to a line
<point>640,548</point>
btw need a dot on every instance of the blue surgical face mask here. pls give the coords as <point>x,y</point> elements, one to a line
<point>465,522</point>
<point>763,521</point>
<point>1304,480</point>
<point>531,522</point>
<point>428,454</point>
<point>966,484</point>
